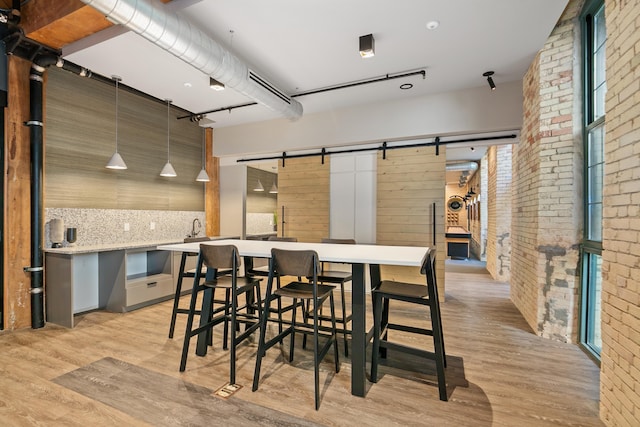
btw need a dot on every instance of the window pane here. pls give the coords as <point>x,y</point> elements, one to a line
<point>598,58</point>
<point>599,28</point>
<point>595,184</point>
<point>596,146</point>
<point>593,191</point>
<point>598,101</point>
<point>593,337</point>
<point>594,227</point>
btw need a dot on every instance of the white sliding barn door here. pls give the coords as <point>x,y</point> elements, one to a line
<point>353,197</point>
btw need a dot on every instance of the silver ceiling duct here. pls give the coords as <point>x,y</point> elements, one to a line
<point>462,166</point>
<point>183,40</point>
<point>466,169</point>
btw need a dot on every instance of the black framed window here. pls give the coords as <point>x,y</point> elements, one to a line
<point>594,36</point>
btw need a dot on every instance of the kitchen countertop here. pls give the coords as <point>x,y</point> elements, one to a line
<point>73,250</point>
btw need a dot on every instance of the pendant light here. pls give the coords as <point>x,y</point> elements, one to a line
<point>168,170</point>
<point>202,176</point>
<point>116,161</point>
<point>274,188</point>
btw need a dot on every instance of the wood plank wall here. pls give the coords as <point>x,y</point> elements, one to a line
<point>410,180</point>
<point>303,190</point>
<point>80,139</point>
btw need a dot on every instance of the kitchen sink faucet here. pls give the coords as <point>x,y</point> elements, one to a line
<point>196,224</point>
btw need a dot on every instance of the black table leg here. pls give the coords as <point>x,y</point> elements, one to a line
<point>359,333</point>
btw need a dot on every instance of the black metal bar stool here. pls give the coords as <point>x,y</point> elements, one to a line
<point>224,257</point>
<point>190,273</point>
<point>416,294</point>
<point>263,271</point>
<point>300,264</point>
<point>182,273</point>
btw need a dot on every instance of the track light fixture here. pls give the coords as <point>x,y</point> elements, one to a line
<point>488,75</point>
<point>215,85</point>
<point>367,46</point>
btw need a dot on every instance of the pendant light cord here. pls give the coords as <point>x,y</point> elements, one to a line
<point>204,144</point>
<point>168,137</point>
<point>117,80</point>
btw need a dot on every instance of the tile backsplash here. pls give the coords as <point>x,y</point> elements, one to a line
<point>107,226</point>
<point>259,223</point>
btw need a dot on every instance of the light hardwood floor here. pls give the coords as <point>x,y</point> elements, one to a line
<point>499,374</point>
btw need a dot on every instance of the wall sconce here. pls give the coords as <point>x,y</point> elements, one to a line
<point>367,46</point>
<point>488,75</point>
<point>215,85</point>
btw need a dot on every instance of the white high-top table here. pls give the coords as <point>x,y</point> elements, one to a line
<point>357,255</point>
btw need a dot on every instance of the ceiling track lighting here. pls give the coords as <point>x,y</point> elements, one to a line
<point>384,78</point>
<point>488,75</point>
<point>215,85</point>
<point>367,46</point>
<point>168,170</point>
<point>203,176</point>
<point>116,161</point>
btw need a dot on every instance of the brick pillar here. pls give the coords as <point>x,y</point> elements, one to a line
<point>547,193</point>
<point>499,212</point>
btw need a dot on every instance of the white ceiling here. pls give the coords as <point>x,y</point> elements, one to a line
<point>305,45</point>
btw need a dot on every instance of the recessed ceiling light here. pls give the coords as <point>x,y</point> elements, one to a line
<point>187,84</point>
<point>432,25</point>
<point>406,86</point>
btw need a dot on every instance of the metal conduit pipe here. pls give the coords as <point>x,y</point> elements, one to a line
<point>36,123</point>
<point>182,39</point>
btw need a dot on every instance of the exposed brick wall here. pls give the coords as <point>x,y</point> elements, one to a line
<point>524,226</point>
<point>477,244</point>
<point>492,209</point>
<point>620,368</point>
<point>547,165</point>
<point>499,159</point>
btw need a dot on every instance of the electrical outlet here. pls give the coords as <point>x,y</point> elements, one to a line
<point>152,225</point>
<point>126,226</point>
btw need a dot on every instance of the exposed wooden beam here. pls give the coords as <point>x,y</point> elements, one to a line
<point>57,23</point>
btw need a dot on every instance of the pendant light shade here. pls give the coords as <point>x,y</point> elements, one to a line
<point>202,176</point>
<point>168,170</point>
<point>274,189</point>
<point>116,161</point>
<point>258,187</point>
